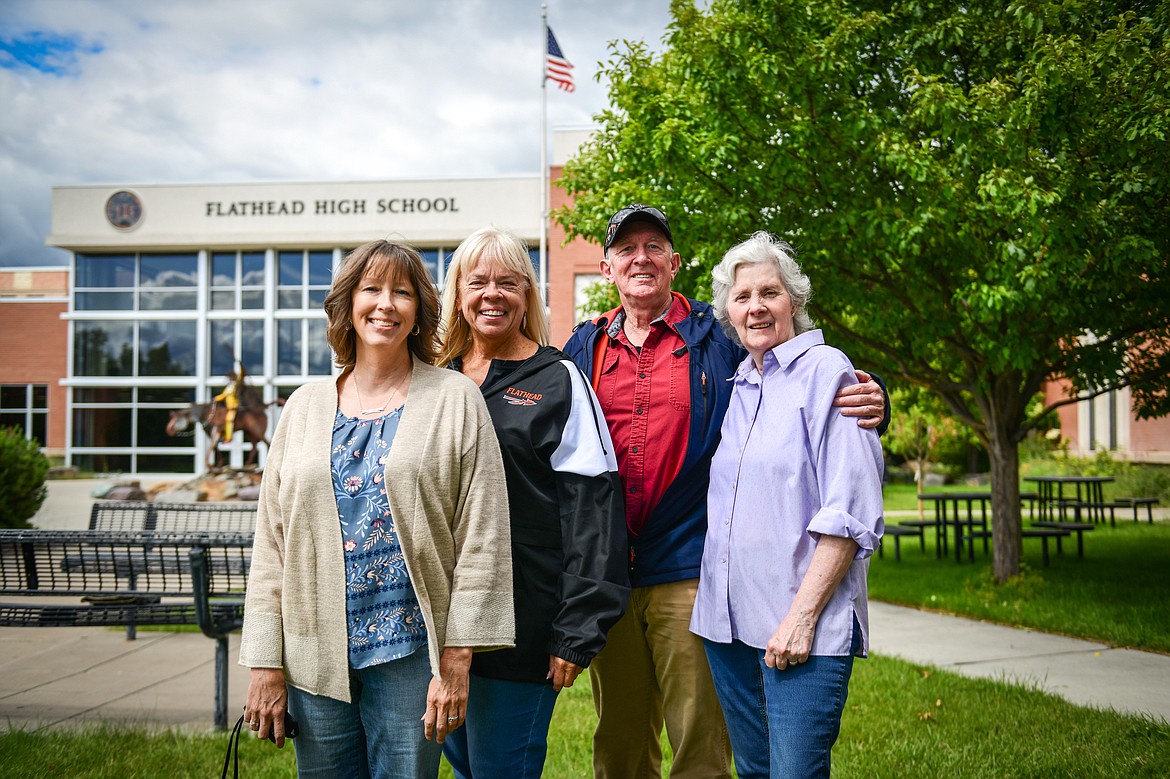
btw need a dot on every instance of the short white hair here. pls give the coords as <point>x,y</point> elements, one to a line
<point>762,247</point>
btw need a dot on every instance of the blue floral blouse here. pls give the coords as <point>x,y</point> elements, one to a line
<point>382,611</point>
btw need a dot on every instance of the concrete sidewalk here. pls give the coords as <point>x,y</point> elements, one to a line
<point>1087,673</point>
<point>74,677</point>
<point>68,501</point>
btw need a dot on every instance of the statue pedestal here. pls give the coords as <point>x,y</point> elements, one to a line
<point>223,484</point>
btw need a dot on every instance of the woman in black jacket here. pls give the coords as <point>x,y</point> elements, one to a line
<point>570,578</point>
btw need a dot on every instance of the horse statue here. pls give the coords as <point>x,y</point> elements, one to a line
<point>251,420</point>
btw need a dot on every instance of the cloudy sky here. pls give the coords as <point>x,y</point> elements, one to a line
<point>189,91</point>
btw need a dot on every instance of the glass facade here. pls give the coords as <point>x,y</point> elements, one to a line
<point>154,332</point>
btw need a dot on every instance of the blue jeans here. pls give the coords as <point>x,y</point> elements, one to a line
<point>378,734</point>
<point>505,733</point>
<point>782,723</point>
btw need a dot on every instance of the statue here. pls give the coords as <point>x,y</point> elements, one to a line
<point>238,407</point>
<point>231,400</point>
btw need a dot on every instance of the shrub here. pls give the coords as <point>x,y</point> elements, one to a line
<point>1143,480</point>
<point>22,478</point>
<point>1147,480</point>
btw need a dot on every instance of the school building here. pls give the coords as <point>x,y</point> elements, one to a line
<point>168,286</point>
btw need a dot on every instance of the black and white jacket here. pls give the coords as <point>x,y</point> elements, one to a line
<point>569,546</point>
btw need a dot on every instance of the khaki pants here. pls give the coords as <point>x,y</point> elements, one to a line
<point>654,670</point>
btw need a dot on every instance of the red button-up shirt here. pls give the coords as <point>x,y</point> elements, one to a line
<point>646,396</point>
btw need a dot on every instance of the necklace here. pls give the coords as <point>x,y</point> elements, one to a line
<point>381,408</point>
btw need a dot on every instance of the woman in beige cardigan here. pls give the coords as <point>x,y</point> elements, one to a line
<point>381,556</point>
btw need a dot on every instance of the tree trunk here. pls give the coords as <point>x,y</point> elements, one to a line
<point>918,485</point>
<point>1005,504</point>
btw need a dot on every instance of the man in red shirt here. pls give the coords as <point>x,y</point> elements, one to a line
<point>659,364</point>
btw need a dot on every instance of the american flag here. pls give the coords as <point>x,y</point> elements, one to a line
<point>556,67</point>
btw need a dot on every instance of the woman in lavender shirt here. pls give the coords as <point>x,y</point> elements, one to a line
<point>794,513</point>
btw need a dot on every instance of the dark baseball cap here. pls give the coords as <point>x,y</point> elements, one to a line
<point>636,212</point>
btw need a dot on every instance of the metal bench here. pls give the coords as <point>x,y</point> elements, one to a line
<point>1072,527</point>
<point>1083,510</point>
<point>129,515</point>
<point>1035,531</point>
<point>117,578</point>
<point>1136,503</point>
<point>1044,533</point>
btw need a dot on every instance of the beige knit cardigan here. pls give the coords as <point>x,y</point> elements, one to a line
<point>445,484</point>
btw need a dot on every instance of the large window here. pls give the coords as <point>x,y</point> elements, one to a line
<point>232,340</point>
<point>167,282</point>
<point>26,406</point>
<point>124,429</point>
<point>166,348</point>
<point>103,348</point>
<point>154,332</point>
<point>237,281</point>
<point>433,260</point>
<point>303,279</point>
<point>128,282</point>
<point>301,348</point>
<point>134,348</point>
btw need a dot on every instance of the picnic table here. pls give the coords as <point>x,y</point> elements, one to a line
<point>968,513</point>
<point>1089,497</point>
<point>958,510</point>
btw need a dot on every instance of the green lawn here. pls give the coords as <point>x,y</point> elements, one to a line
<point>901,720</point>
<point>1117,593</point>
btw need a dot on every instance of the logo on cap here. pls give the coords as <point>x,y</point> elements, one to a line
<point>609,234</point>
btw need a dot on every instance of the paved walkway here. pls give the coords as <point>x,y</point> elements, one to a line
<point>1087,673</point>
<point>65,677</point>
<point>73,677</point>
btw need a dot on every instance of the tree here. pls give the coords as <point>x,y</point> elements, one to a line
<point>978,190</point>
<point>921,430</point>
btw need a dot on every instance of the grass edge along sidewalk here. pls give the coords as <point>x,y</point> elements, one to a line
<point>1116,594</point>
<point>901,719</point>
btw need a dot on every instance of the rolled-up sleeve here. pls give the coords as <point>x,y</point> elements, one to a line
<point>848,463</point>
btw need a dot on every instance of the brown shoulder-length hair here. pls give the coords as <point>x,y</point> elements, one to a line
<point>381,258</point>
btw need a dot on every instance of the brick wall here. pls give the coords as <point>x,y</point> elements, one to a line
<point>579,256</point>
<point>33,350</point>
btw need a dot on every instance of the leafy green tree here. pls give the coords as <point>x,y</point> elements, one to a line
<point>979,189</point>
<point>921,430</point>
<point>22,478</point>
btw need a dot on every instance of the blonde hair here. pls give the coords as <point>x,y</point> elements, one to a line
<point>493,245</point>
<point>381,258</point>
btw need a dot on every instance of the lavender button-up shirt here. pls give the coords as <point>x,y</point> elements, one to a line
<point>789,469</point>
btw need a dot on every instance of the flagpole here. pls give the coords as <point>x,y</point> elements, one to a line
<point>544,205</point>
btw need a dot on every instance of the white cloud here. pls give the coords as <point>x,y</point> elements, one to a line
<point>305,90</point>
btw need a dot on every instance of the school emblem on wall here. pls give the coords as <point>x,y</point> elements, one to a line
<point>124,210</point>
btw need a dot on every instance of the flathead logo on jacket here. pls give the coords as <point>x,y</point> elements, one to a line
<point>519,397</point>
